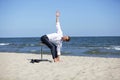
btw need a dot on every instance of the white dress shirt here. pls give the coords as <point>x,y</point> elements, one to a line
<point>56,38</point>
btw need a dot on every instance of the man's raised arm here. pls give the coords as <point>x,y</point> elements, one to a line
<point>58,23</point>
<point>57,16</point>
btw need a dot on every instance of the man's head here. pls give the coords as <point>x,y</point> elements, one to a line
<point>66,38</point>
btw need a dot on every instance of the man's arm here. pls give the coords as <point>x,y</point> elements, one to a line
<point>59,49</point>
<point>58,23</point>
<point>57,16</point>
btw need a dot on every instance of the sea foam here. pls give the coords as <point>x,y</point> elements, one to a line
<point>3,44</point>
<point>113,47</point>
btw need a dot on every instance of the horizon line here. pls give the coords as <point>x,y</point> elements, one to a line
<point>40,36</point>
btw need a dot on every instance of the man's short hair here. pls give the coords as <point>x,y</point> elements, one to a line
<point>68,38</point>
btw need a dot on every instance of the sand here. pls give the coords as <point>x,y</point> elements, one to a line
<point>17,66</point>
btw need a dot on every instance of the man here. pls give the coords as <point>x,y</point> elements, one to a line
<point>54,40</point>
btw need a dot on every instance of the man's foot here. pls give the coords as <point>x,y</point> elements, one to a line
<point>57,59</point>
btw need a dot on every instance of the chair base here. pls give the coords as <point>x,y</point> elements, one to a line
<point>39,60</point>
<point>41,52</point>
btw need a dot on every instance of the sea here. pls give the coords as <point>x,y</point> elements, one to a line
<point>78,46</point>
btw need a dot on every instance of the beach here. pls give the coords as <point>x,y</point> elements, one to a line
<point>17,66</point>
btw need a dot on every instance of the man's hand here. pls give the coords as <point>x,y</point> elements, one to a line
<point>57,13</point>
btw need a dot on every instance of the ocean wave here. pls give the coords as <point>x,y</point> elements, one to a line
<point>113,47</point>
<point>117,47</point>
<point>4,44</point>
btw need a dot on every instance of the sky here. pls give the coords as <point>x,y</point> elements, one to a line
<point>34,18</point>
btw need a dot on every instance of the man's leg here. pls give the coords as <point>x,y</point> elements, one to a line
<point>52,46</point>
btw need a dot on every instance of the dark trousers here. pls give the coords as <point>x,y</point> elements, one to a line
<point>51,45</point>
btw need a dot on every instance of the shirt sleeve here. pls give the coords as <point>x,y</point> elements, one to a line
<point>59,30</point>
<point>59,48</point>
